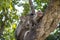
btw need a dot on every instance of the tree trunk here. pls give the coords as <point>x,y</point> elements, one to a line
<point>50,20</point>
<point>45,27</point>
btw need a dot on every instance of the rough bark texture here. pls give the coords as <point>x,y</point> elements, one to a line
<point>39,31</point>
<point>50,20</point>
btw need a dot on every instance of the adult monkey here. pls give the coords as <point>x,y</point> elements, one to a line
<point>25,32</point>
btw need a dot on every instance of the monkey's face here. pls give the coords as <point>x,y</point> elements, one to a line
<point>39,14</point>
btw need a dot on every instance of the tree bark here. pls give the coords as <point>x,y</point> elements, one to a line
<point>50,20</point>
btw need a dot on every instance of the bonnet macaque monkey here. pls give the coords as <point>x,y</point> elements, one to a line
<point>23,29</point>
<point>26,27</point>
<point>34,20</point>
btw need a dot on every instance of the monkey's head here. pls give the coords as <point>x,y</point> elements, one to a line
<point>39,13</point>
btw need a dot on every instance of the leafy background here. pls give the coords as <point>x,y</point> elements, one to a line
<point>10,12</point>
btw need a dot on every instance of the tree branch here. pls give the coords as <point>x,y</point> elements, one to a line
<point>32,7</point>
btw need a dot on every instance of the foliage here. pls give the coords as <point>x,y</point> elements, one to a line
<point>8,18</point>
<point>54,36</point>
